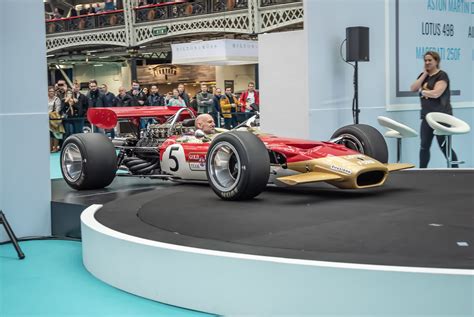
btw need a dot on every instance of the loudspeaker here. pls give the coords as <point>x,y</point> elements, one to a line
<point>357,46</point>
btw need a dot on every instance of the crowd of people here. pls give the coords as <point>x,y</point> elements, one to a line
<point>99,7</point>
<point>86,9</point>
<point>68,106</point>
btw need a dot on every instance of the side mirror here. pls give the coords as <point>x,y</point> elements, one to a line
<point>199,134</point>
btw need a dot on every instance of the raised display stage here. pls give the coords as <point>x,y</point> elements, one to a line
<point>406,248</point>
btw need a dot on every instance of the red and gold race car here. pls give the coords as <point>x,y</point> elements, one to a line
<point>238,164</point>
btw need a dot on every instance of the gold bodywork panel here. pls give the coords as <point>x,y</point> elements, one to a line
<point>308,178</point>
<point>349,171</point>
<point>398,166</point>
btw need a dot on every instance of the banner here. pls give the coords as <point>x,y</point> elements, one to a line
<point>216,52</point>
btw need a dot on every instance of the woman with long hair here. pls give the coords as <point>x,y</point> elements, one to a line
<point>435,96</point>
<point>56,128</point>
<point>72,114</point>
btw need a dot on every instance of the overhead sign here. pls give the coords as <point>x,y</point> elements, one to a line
<point>160,30</point>
<point>216,52</point>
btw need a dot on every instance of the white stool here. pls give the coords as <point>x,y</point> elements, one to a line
<point>447,125</point>
<point>398,131</point>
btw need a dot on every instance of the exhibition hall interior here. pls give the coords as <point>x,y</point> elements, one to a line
<point>237,158</point>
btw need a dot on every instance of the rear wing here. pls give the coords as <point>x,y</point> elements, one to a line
<point>107,118</point>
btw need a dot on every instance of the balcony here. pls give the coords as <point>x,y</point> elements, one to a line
<point>184,9</point>
<point>135,26</point>
<point>85,22</point>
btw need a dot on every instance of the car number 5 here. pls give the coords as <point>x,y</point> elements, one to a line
<point>174,158</point>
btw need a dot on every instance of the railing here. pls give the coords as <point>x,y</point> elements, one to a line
<point>179,9</point>
<point>266,3</point>
<point>85,22</point>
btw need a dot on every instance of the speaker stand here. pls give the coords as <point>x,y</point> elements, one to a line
<point>355,101</point>
<point>8,229</point>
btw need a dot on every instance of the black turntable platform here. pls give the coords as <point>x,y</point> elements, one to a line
<point>419,218</point>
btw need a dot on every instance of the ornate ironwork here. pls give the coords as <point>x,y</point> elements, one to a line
<point>235,22</point>
<point>275,17</point>
<point>139,25</point>
<point>167,11</point>
<point>265,3</point>
<point>85,22</point>
<point>109,36</point>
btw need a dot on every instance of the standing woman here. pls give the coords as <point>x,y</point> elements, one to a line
<point>435,96</point>
<point>56,128</point>
<point>176,100</point>
<point>72,115</point>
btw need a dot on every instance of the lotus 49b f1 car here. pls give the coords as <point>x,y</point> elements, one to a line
<point>238,164</point>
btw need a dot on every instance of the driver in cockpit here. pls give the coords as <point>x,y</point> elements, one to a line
<point>205,123</point>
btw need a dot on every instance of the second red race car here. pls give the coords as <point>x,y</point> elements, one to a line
<point>238,164</point>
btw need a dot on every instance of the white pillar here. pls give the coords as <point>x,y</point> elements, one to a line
<point>25,187</point>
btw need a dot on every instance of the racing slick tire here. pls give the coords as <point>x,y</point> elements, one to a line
<point>364,139</point>
<point>238,165</point>
<point>88,161</point>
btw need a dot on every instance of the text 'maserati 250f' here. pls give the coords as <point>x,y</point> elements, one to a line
<point>238,164</point>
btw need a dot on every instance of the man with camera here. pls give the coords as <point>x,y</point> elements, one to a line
<point>61,89</point>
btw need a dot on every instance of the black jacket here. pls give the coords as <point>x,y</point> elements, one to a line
<point>84,103</point>
<point>71,111</point>
<point>135,98</point>
<point>110,100</point>
<point>95,99</point>
<point>155,100</point>
<point>185,97</point>
<point>123,101</point>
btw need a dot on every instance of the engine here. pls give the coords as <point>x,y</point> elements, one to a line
<point>140,153</point>
<point>165,130</point>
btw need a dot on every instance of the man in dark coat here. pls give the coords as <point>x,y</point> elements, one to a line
<point>155,99</point>
<point>138,97</point>
<point>109,97</point>
<point>94,96</point>
<point>123,99</point>
<point>95,99</point>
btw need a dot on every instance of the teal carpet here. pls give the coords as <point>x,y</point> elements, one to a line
<point>52,281</point>
<point>54,168</point>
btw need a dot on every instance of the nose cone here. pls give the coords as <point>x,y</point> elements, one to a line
<point>356,170</point>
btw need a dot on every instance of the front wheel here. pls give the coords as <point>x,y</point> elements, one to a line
<point>88,161</point>
<point>364,139</point>
<point>238,165</point>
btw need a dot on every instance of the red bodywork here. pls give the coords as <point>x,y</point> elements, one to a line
<point>294,150</point>
<point>297,150</point>
<point>106,118</point>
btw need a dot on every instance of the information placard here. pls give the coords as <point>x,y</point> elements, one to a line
<point>444,26</point>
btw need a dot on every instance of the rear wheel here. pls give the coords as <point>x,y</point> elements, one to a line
<point>238,165</point>
<point>88,161</point>
<point>363,139</point>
